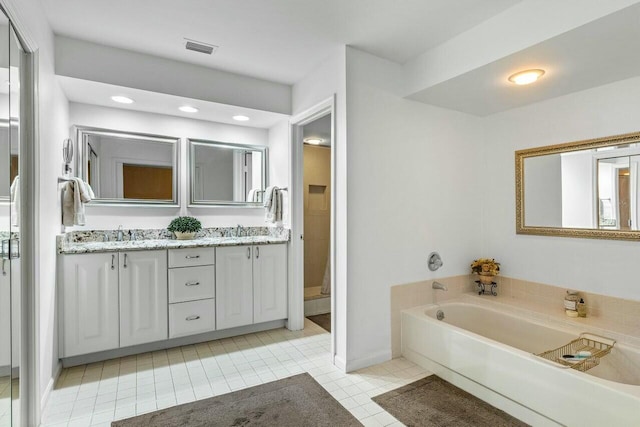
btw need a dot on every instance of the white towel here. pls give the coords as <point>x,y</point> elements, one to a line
<point>273,204</point>
<point>15,201</point>
<point>75,194</point>
<point>253,195</point>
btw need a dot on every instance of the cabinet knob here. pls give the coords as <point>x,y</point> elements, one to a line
<point>190,318</point>
<point>192,283</point>
<point>192,256</point>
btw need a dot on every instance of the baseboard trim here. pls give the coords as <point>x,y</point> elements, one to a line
<point>340,363</point>
<point>50,384</point>
<point>174,342</point>
<point>365,362</point>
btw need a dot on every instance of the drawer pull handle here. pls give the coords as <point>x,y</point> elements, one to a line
<point>113,262</point>
<point>249,253</point>
<point>125,260</point>
<point>192,256</point>
<point>190,318</point>
<point>192,283</point>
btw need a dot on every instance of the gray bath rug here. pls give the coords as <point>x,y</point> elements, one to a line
<point>433,402</point>
<point>293,401</point>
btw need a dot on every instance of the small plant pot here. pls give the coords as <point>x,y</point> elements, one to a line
<point>182,235</point>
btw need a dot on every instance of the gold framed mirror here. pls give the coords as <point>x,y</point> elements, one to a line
<point>582,189</point>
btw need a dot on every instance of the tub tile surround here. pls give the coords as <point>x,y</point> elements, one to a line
<point>421,293</point>
<point>77,242</point>
<point>612,317</point>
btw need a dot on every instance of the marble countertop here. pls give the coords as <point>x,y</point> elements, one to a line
<point>150,244</point>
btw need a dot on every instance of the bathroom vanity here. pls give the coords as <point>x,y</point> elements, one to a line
<point>118,298</point>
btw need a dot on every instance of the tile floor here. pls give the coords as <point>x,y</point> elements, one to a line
<point>7,387</point>
<point>96,394</point>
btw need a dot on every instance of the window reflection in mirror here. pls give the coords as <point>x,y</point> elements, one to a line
<point>222,173</point>
<point>130,168</point>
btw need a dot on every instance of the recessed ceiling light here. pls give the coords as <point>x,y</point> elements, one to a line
<point>314,141</point>
<point>526,77</point>
<point>240,118</point>
<point>122,99</point>
<point>188,109</point>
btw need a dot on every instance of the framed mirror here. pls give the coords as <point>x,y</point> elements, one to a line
<point>127,168</point>
<point>585,189</point>
<point>226,174</point>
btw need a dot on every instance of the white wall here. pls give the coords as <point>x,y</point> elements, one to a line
<point>90,61</point>
<point>578,190</point>
<point>139,217</point>
<point>279,163</point>
<point>543,191</point>
<point>414,173</point>
<point>607,267</point>
<point>327,80</point>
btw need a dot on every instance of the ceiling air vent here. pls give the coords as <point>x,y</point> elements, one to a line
<point>200,47</point>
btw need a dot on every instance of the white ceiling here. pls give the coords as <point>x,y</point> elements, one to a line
<point>277,40</point>
<point>597,53</point>
<point>95,93</point>
<point>319,128</point>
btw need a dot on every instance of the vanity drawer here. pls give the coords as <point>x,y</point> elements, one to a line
<point>191,257</point>
<point>194,317</point>
<point>192,283</point>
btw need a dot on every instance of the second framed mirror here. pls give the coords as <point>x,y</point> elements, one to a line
<point>223,173</point>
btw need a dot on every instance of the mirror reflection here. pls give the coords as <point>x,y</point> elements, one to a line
<point>222,173</point>
<point>595,187</point>
<point>129,167</point>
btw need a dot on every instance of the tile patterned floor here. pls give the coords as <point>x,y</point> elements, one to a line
<point>96,394</point>
<point>7,387</point>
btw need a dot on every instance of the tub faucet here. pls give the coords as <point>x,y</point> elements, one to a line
<point>438,285</point>
<point>120,234</point>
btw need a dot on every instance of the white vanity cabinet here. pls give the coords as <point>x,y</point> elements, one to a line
<point>143,297</point>
<point>251,284</point>
<point>89,303</point>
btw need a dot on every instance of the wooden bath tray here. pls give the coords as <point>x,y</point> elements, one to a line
<point>597,345</point>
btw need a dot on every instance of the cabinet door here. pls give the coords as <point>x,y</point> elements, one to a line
<point>234,287</point>
<point>89,303</point>
<point>269,283</point>
<point>143,297</point>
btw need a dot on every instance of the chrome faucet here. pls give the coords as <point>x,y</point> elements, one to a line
<point>120,234</point>
<point>438,285</point>
<point>238,230</point>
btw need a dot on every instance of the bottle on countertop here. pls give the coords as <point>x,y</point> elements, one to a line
<point>582,308</point>
<point>571,304</point>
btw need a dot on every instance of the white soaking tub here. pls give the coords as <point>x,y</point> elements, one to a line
<point>490,353</point>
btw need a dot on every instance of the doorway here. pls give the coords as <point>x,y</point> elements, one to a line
<point>312,254</point>
<point>316,137</point>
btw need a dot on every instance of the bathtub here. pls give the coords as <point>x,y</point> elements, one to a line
<point>490,353</point>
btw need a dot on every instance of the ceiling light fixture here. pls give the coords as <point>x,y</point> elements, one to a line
<point>526,77</point>
<point>240,118</point>
<point>188,109</point>
<point>313,141</point>
<point>122,99</point>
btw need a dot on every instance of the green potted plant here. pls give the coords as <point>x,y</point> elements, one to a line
<point>185,227</point>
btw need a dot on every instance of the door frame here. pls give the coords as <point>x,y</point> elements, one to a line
<point>296,257</point>
<point>29,229</point>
